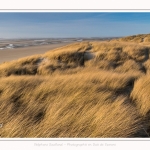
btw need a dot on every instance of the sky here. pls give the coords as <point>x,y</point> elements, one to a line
<point>74,24</point>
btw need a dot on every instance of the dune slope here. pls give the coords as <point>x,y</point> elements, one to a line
<point>87,89</point>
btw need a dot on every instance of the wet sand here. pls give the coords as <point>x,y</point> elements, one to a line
<point>16,53</point>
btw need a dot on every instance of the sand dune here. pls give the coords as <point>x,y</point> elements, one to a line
<point>84,89</point>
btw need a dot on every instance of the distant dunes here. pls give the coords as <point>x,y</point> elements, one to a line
<point>86,89</point>
<point>140,38</point>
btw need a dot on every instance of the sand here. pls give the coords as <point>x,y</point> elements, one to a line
<point>13,54</point>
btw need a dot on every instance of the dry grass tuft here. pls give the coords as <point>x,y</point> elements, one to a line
<point>147,66</point>
<point>140,38</point>
<point>130,66</point>
<point>141,97</point>
<point>138,53</point>
<point>52,107</point>
<point>140,94</point>
<point>24,66</point>
<point>101,64</point>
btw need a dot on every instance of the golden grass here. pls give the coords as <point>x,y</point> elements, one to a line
<point>147,39</point>
<point>147,66</point>
<point>140,94</point>
<point>130,66</point>
<point>22,66</point>
<point>52,107</point>
<point>105,55</point>
<point>101,64</point>
<point>138,53</point>
<point>136,38</point>
<point>86,89</point>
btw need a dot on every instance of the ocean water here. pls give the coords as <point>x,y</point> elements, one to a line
<point>20,43</point>
<point>10,46</point>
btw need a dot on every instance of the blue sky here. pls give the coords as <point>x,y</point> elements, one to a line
<point>53,25</point>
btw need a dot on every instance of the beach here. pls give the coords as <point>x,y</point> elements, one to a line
<point>16,53</point>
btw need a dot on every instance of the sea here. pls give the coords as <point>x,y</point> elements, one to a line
<point>20,43</point>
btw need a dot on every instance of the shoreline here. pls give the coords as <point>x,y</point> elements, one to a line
<point>16,53</point>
